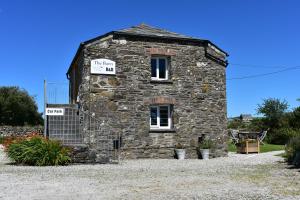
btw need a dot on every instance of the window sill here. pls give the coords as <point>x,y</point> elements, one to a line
<point>162,130</point>
<point>162,81</point>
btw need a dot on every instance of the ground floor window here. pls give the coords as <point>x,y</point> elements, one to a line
<point>160,117</point>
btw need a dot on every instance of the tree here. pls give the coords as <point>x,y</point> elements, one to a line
<point>294,118</point>
<point>273,109</point>
<point>256,125</point>
<point>17,107</point>
<point>236,124</point>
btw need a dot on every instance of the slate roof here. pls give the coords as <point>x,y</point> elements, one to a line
<point>146,30</point>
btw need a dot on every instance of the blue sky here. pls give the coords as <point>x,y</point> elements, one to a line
<point>38,40</point>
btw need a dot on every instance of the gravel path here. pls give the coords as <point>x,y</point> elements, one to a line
<point>262,176</point>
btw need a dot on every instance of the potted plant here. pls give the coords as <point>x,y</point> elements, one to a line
<point>180,151</point>
<point>204,148</point>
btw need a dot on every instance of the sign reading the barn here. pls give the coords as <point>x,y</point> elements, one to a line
<point>103,66</point>
<point>55,111</point>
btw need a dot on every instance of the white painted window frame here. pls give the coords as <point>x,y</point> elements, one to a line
<point>157,68</point>
<point>154,127</point>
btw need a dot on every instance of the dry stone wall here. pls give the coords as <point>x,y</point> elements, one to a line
<point>20,130</point>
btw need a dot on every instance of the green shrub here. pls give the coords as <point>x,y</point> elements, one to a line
<point>291,150</point>
<point>38,151</point>
<point>282,135</point>
<point>206,144</point>
<point>179,146</point>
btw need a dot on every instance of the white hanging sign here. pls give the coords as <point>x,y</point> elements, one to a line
<point>55,111</point>
<point>103,66</point>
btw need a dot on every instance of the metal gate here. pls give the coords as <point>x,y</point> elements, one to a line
<point>76,127</point>
<point>66,127</point>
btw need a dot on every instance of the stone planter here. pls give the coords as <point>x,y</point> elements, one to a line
<point>180,154</point>
<point>205,154</point>
<point>248,146</point>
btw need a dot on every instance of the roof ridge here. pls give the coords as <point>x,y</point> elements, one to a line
<point>141,25</point>
<point>144,25</point>
<point>145,29</point>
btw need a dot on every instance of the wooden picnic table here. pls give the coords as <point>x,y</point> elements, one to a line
<point>248,135</point>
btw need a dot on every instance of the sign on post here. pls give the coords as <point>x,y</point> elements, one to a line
<point>55,111</point>
<point>103,66</point>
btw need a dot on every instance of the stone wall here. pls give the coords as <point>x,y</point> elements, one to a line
<point>20,130</point>
<point>196,83</point>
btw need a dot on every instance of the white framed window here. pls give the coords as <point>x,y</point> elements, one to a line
<point>160,117</point>
<point>159,68</point>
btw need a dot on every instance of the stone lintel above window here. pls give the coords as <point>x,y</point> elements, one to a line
<point>161,51</point>
<point>160,101</point>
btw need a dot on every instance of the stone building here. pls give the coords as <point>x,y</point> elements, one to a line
<point>247,118</point>
<point>153,87</point>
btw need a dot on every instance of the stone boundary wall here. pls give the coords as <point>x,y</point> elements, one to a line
<point>19,130</point>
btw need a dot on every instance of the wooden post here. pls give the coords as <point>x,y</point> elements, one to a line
<point>258,146</point>
<point>246,146</point>
<point>45,106</point>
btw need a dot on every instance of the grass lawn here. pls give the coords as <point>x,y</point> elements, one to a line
<point>263,148</point>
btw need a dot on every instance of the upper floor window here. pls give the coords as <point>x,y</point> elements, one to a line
<point>159,68</point>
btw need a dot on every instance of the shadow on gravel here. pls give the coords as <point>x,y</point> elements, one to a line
<point>10,163</point>
<point>293,167</point>
<point>290,166</point>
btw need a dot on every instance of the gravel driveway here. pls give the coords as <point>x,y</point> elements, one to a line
<point>262,176</point>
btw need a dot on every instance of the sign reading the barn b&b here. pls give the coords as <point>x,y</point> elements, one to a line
<point>103,66</point>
